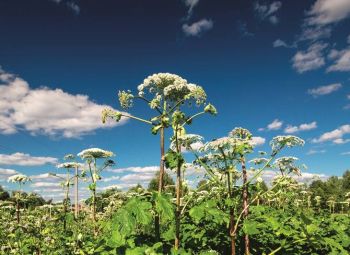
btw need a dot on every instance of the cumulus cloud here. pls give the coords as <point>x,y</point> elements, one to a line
<point>324,90</point>
<point>325,12</point>
<point>310,59</point>
<point>336,136</point>
<point>198,28</point>
<point>6,173</point>
<point>275,125</point>
<point>306,177</point>
<point>135,178</point>
<point>268,11</point>
<point>47,111</point>
<point>258,141</point>
<point>341,60</point>
<point>46,177</point>
<point>45,185</point>
<point>302,127</point>
<point>22,159</point>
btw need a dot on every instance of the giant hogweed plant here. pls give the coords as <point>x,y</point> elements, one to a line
<point>67,182</point>
<point>91,156</point>
<point>165,94</point>
<point>20,180</point>
<point>221,158</point>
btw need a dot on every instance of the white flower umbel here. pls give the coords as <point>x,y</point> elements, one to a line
<point>19,178</point>
<point>95,153</point>
<point>69,165</point>
<point>278,142</point>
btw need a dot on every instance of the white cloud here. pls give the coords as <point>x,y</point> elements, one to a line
<point>190,4</point>
<point>275,125</point>
<point>268,11</point>
<point>306,177</point>
<point>243,29</point>
<point>70,4</point>
<point>315,33</point>
<point>135,178</point>
<point>47,177</point>
<point>112,178</point>
<point>136,169</point>
<point>74,7</point>
<point>313,152</point>
<point>22,159</point>
<point>6,173</point>
<point>258,141</point>
<point>197,28</point>
<point>345,153</point>
<point>324,90</point>
<point>342,60</point>
<point>45,184</point>
<point>310,59</point>
<point>302,127</point>
<point>335,136</point>
<point>325,12</point>
<point>280,43</point>
<point>47,111</point>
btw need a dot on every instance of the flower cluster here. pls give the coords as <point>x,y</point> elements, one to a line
<point>287,165</point>
<point>279,142</point>
<point>70,165</point>
<point>95,153</point>
<point>259,161</point>
<point>125,99</point>
<point>19,178</point>
<point>172,87</point>
<point>188,141</point>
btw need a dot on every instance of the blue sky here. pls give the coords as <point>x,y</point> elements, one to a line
<point>284,63</point>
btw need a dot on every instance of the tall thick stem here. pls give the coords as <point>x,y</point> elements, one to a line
<point>178,195</point>
<point>232,217</point>
<point>245,203</point>
<point>17,211</point>
<point>160,183</point>
<point>76,205</point>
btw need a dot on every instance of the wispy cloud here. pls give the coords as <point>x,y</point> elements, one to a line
<point>135,169</point>
<point>310,59</point>
<point>341,60</point>
<point>242,28</point>
<point>198,28</point>
<point>190,4</point>
<point>268,11</point>
<point>336,136</point>
<point>345,153</point>
<point>280,43</point>
<point>314,151</point>
<point>22,159</point>
<point>70,115</point>
<point>324,90</point>
<point>302,127</point>
<point>71,5</point>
